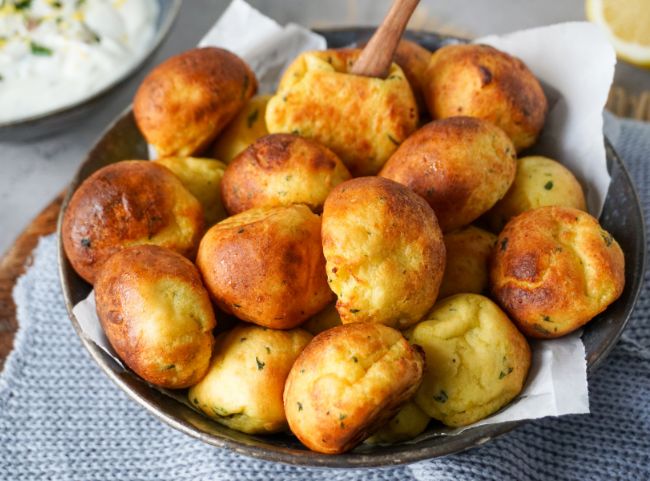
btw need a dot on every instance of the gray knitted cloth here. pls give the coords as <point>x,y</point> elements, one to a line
<point>62,419</point>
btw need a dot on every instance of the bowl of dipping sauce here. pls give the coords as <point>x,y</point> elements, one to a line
<point>59,58</point>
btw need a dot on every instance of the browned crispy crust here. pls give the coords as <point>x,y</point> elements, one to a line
<point>348,382</point>
<point>554,269</point>
<point>461,166</point>
<point>266,266</point>
<point>481,81</point>
<point>138,294</point>
<point>128,203</point>
<point>385,253</point>
<point>183,104</point>
<point>281,169</point>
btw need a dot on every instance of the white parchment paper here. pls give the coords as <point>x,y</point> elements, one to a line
<point>575,63</point>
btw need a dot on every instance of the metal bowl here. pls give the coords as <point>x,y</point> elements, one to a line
<point>621,216</point>
<point>47,123</point>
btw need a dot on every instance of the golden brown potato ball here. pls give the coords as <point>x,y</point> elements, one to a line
<point>156,314</point>
<point>361,119</point>
<point>461,166</point>
<point>124,204</point>
<point>282,169</point>
<point>481,81</point>
<point>245,382</point>
<point>348,382</point>
<point>384,250</point>
<point>266,266</point>
<point>554,269</point>
<point>408,423</point>
<point>248,126</point>
<point>202,177</point>
<point>183,103</point>
<point>468,253</point>
<point>476,360</point>
<point>539,181</point>
<point>323,320</point>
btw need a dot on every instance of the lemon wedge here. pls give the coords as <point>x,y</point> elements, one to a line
<point>627,23</point>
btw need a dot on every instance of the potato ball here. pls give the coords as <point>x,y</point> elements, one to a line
<point>384,250</point>
<point>477,360</point>
<point>539,181</point>
<point>202,177</point>
<point>266,266</point>
<point>461,166</point>
<point>124,204</point>
<point>156,314</point>
<point>248,126</point>
<point>481,81</point>
<point>468,253</point>
<point>362,119</point>
<point>183,103</point>
<point>324,320</point>
<point>282,169</point>
<point>245,382</point>
<point>408,423</point>
<point>554,269</point>
<point>348,382</point>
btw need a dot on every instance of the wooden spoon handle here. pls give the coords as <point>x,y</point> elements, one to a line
<point>377,55</point>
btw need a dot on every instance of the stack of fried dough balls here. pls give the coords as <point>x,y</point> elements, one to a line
<point>348,258</point>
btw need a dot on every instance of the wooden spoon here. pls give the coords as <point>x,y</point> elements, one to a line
<point>377,55</point>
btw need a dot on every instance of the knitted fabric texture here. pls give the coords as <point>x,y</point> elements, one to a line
<point>61,418</point>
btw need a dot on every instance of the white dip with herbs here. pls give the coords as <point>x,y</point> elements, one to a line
<point>55,53</point>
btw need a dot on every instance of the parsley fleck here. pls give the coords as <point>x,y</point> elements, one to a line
<point>240,231</point>
<point>40,50</point>
<point>607,238</point>
<point>354,358</point>
<point>441,397</point>
<point>546,319</point>
<point>260,364</point>
<point>85,242</point>
<point>393,140</point>
<point>503,374</point>
<point>504,244</point>
<point>354,311</point>
<point>342,416</point>
<point>540,329</point>
<point>196,401</point>
<point>268,350</point>
<point>242,339</point>
<point>548,185</point>
<point>22,4</point>
<point>252,117</point>
<point>299,406</point>
<point>171,366</point>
